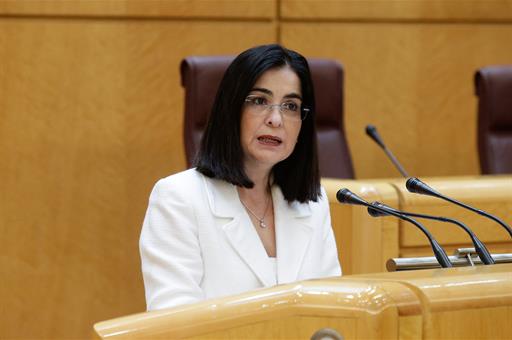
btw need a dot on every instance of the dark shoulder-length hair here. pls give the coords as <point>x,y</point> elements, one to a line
<point>221,155</point>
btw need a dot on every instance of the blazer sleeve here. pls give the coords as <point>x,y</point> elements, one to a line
<point>330,260</point>
<point>172,265</point>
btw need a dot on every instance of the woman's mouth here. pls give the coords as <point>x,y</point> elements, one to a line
<point>269,140</point>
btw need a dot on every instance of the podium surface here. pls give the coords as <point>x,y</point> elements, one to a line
<point>467,302</point>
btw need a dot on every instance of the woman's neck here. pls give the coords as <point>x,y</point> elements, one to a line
<point>261,188</point>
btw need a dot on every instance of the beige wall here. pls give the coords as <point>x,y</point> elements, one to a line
<point>91,116</point>
<point>409,71</point>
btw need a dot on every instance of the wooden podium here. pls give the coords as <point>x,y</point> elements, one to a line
<point>467,302</point>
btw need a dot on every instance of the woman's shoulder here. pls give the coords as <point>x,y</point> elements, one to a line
<point>188,181</point>
<point>187,176</point>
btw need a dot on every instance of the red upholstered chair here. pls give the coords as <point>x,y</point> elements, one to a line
<point>200,76</point>
<point>494,90</point>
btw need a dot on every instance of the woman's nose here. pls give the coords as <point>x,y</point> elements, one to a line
<point>274,117</point>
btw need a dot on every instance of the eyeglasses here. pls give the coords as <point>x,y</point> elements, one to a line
<point>290,109</point>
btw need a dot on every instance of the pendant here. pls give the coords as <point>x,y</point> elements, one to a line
<point>262,224</point>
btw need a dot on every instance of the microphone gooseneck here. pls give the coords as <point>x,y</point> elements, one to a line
<point>415,185</point>
<point>348,197</point>
<point>480,248</point>
<point>374,134</point>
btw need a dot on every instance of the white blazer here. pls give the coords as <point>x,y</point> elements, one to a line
<point>198,242</point>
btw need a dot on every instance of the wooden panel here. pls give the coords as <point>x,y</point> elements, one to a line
<point>411,327</point>
<point>263,9</point>
<point>414,82</point>
<point>477,323</point>
<point>430,304</point>
<point>355,308</point>
<point>285,328</point>
<point>397,10</point>
<point>459,303</point>
<point>90,117</point>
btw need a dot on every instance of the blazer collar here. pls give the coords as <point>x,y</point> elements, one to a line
<point>292,225</point>
<point>223,198</point>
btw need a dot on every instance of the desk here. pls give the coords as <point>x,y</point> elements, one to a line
<point>467,302</point>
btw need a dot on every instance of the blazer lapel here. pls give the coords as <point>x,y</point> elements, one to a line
<point>293,234</point>
<point>224,203</point>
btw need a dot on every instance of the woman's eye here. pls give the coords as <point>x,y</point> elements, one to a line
<point>253,100</point>
<point>258,101</point>
<point>291,106</point>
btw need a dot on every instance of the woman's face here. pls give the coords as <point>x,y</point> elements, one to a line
<point>269,133</point>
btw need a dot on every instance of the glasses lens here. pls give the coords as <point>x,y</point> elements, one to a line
<point>290,110</point>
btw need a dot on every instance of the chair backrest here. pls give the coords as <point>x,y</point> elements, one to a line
<point>493,86</point>
<point>201,76</point>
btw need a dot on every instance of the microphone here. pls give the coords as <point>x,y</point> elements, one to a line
<point>372,132</point>
<point>416,186</point>
<point>348,197</point>
<point>480,248</point>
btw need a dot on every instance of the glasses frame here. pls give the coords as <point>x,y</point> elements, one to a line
<point>303,110</point>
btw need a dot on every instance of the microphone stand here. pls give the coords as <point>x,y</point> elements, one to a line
<point>348,197</point>
<point>374,134</point>
<point>462,258</point>
<point>480,248</point>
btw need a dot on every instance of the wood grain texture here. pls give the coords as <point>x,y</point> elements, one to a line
<point>460,303</point>
<point>220,9</point>
<point>430,304</point>
<point>493,10</point>
<point>356,309</point>
<point>414,82</point>
<point>295,327</point>
<point>479,323</point>
<point>90,117</point>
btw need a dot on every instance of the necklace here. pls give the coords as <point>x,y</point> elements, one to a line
<point>260,220</point>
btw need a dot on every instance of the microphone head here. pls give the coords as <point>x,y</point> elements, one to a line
<point>348,197</point>
<point>370,129</point>
<point>372,132</point>
<point>378,213</point>
<point>416,186</point>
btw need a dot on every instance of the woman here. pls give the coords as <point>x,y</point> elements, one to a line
<point>252,213</point>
